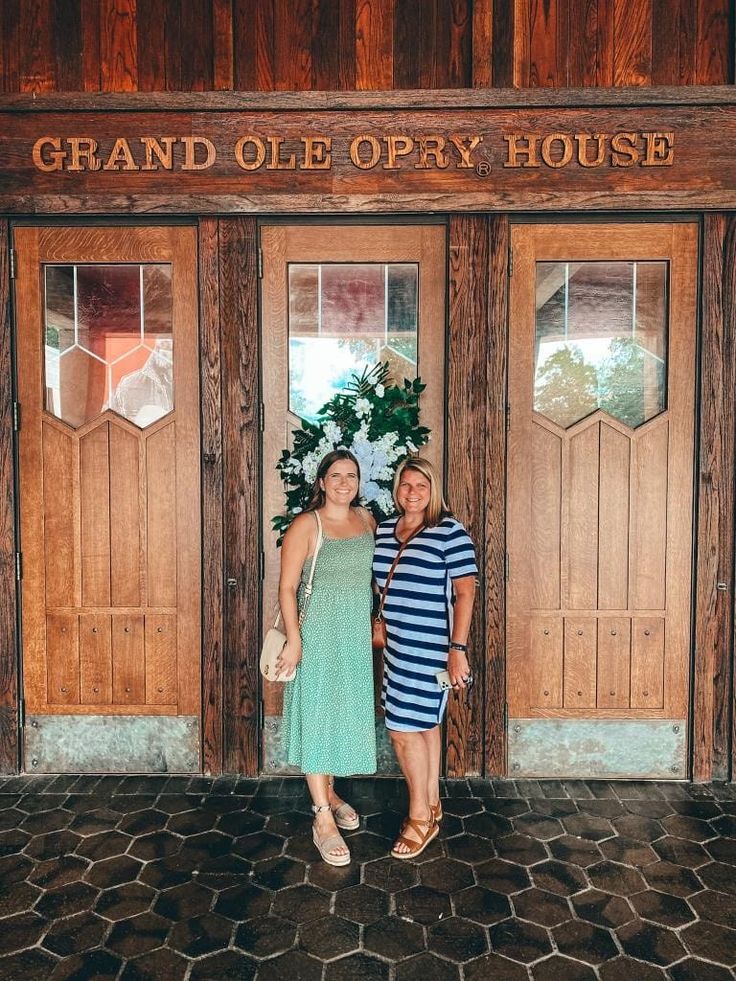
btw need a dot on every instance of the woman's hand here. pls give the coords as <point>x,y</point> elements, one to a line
<point>288,659</point>
<point>458,667</point>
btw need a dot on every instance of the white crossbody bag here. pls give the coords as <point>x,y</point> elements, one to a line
<point>275,639</point>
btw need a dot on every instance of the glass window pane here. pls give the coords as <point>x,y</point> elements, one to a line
<point>344,317</point>
<point>601,337</point>
<point>109,341</point>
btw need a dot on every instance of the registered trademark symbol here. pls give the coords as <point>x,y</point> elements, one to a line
<point>483,168</point>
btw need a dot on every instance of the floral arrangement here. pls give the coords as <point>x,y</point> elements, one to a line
<point>376,420</point>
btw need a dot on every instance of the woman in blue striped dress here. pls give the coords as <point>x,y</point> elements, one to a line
<point>427,608</point>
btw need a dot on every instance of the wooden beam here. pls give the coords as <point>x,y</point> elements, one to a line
<point>241,481</point>
<point>494,579</point>
<point>9,745</point>
<point>466,421</point>
<point>212,499</point>
<point>713,676</point>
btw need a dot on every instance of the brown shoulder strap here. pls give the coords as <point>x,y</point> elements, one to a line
<point>393,569</point>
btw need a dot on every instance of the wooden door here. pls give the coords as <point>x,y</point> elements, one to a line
<point>107,372</point>
<point>600,518</point>
<point>319,285</point>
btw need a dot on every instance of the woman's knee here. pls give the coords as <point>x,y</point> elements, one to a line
<point>404,740</point>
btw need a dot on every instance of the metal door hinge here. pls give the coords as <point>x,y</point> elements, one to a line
<point>19,566</point>
<point>260,262</point>
<point>511,262</point>
<point>12,263</point>
<point>262,565</point>
<point>16,417</point>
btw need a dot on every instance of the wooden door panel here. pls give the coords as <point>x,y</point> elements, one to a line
<point>109,473</point>
<point>613,523</point>
<point>599,523</point>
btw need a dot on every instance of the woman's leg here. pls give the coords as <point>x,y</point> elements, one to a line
<point>433,744</point>
<point>324,822</point>
<point>411,752</point>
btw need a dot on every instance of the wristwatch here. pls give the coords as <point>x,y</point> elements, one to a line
<point>458,647</point>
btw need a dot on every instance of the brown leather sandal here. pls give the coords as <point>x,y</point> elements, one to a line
<point>415,848</point>
<point>435,810</point>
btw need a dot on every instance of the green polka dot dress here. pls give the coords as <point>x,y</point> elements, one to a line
<point>329,717</point>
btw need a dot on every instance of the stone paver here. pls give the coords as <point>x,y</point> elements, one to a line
<point>178,877</point>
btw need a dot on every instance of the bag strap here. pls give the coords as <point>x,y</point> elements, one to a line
<point>379,614</point>
<point>310,581</point>
<point>308,587</point>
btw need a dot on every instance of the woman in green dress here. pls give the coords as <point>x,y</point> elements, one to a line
<point>329,722</point>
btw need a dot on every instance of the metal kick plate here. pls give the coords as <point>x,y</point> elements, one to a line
<point>111,744</point>
<point>598,748</point>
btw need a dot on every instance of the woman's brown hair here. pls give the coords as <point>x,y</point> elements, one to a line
<point>438,508</point>
<point>316,494</point>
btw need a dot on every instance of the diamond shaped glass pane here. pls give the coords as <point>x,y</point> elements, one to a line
<point>344,317</point>
<point>601,340</point>
<point>114,324</point>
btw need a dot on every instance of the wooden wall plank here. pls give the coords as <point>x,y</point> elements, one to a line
<point>460,55</point>
<point>241,462</point>
<point>172,48</point>
<point>151,38</point>
<point>589,49</point>
<point>540,53</point>
<point>632,43</point>
<point>67,42</point>
<point>38,56</point>
<point>546,519</point>
<point>125,518</point>
<point>212,501</point>
<point>58,516</point>
<point>409,26</point>
<point>482,44</point>
<point>94,493</point>
<point>10,46</point>
<point>374,44</point>
<point>254,39</point>
<point>466,377</point>
<point>713,677</point>
<point>502,52</point>
<point>292,45</point>
<point>118,46</point>
<point>546,662</point>
<point>713,59</point>
<point>222,40</point>
<point>196,45</point>
<point>649,461</point>
<point>494,578</point>
<point>161,543</point>
<point>325,46</point>
<point>9,747</point>
<point>91,67</point>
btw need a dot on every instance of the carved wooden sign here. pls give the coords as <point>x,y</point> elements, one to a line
<point>365,160</point>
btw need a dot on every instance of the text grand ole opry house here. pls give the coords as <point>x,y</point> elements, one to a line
<point>213,214</point>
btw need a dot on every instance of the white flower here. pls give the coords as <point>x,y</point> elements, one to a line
<point>296,510</point>
<point>371,490</point>
<point>410,446</point>
<point>332,432</point>
<point>362,407</point>
<point>380,390</point>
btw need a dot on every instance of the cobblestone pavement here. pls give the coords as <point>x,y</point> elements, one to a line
<point>168,878</point>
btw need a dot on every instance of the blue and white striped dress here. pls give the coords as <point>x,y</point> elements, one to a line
<point>418,614</point>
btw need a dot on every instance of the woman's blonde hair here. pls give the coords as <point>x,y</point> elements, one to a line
<point>438,508</point>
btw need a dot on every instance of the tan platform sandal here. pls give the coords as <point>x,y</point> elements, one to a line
<point>415,848</point>
<point>342,810</point>
<point>326,846</point>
